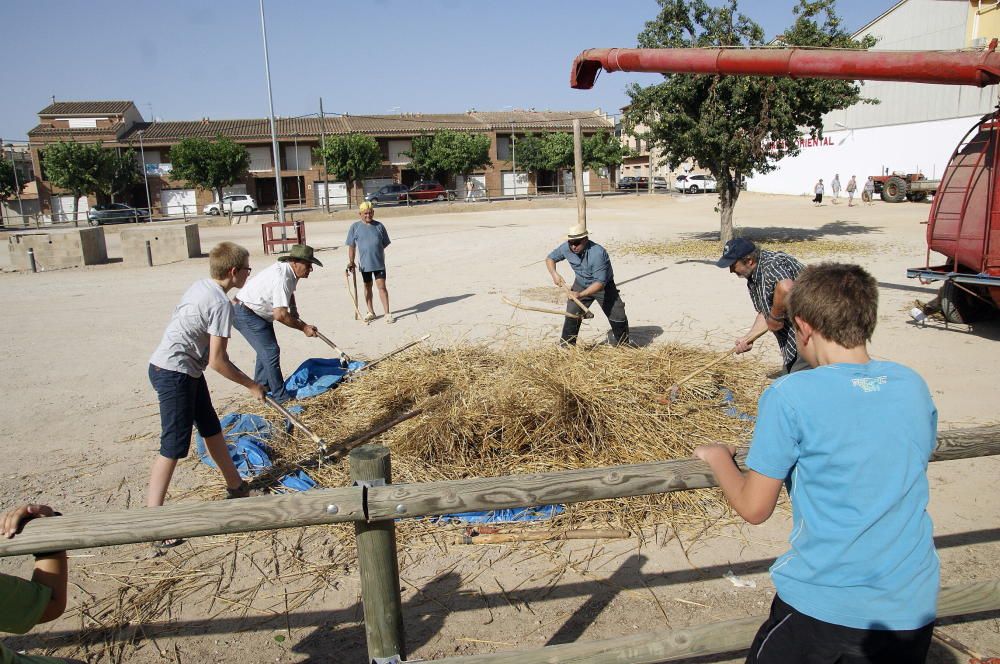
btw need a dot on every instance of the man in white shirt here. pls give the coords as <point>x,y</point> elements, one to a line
<point>270,297</point>
<point>196,338</point>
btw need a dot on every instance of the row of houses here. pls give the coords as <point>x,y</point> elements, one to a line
<point>303,181</point>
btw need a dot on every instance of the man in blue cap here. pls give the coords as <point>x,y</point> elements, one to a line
<point>770,276</point>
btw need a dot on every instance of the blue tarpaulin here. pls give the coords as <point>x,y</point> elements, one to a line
<point>316,376</point>
<point>729,403</point>
<point>504,516</point>
<point>246,438</point>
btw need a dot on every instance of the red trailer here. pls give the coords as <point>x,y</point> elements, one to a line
<point>964,221</point>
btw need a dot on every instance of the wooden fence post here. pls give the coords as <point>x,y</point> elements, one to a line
<point>378,564</point>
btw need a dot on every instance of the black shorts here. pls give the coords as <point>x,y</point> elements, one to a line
<point>184,403</point>
<point>788,636</point>
<point>375,274</point>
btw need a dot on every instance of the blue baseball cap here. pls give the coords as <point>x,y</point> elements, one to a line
<point>734,250</point>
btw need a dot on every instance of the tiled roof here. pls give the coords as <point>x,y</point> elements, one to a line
<point>63,108</point>
<point>381,125</point>
<point>46,130</point>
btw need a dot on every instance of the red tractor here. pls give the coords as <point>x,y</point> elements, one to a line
<point>900,187</point>
<point>964,220</point>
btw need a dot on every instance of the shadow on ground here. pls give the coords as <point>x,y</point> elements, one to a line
<point>427,305</point>
<point>782,234</point>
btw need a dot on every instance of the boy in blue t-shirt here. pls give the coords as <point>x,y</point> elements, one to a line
<point>851,439</point>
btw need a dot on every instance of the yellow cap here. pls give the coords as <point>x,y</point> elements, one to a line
<point>365,206</point>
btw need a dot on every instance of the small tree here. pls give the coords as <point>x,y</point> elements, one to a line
<point>557,150</point>
<point>351,157</point>
<point>449,152</point>
<point>8,185</point>
<point>120,170</point>
<point>528,153</point>
<point>213,165</point>
<point>604,150</point>
<point>736,126</point>
<point>75,167</point>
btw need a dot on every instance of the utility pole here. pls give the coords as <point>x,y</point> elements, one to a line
<point>326,176</point>
<point>581,202</point>
<point>513,158</point>
<point>274,131</point>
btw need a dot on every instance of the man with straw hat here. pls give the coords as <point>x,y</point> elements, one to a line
<point>270,297</point>
<point>367,240</point>
<point>770,276</point>
<point>595,281</point>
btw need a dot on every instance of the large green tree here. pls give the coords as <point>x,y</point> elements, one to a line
<point>209,164</point>
<point>120,170</point>
<point>350,157</point>
<point>449,152</point>
<point>528,153</point>
<point>75,167</point>
<point>604,150</point>
<point>736,126</point>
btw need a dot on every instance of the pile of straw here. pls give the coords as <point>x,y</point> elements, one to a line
<point>488,412</point>
<point>807,248</point>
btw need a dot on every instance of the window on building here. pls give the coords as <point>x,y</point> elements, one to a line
<point>503,147</point>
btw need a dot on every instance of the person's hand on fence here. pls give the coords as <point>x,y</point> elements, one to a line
<point>11,522</point>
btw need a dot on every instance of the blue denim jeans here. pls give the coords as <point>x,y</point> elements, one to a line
<point>260,335</point>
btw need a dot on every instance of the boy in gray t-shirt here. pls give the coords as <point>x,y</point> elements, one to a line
<point>367,240</point>
<point>196,338</point>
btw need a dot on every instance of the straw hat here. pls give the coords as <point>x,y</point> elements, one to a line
<point>577,232</point>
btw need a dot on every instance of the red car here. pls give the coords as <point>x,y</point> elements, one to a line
<point>427,191</point>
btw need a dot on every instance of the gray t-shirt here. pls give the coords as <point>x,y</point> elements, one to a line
<point>204,312</point>
<point>370,240</point>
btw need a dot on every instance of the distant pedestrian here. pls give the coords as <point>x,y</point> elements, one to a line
<point>869,190</point>
<point>818,189</point>
<point>835,188</point>
<point>470,187</point>
<point>852,186</point>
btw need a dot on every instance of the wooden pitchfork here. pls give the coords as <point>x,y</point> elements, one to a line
<point>297,423</point>
<point>353,293</point>
<point>573,296</point>
<point>675,388</point>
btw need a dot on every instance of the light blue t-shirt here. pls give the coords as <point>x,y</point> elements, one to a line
<point>852,442</point>
<point>592,264</point>
<point>370,241</point>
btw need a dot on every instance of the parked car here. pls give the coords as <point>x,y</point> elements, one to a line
<point>694,184</point>
<point>115,213</point>
<point>427,191</point>
<point>629,182</point>
<point>387,193</point>
<point>235,203</point>
<point>660,183</point>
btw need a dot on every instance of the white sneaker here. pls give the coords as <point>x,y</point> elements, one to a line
<point>389,319</point>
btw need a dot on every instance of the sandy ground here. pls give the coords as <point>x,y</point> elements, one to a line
<point>79,417</point>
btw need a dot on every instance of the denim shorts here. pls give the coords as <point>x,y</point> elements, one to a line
<point>184,404</point>
<point>367,276</point>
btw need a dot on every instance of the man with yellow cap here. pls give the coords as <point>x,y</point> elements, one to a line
<point>595,281</point>
<point>366,241</point>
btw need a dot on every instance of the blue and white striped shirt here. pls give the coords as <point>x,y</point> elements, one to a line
<point>772,267</point>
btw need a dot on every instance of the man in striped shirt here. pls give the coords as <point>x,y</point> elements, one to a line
<point>770,276</point>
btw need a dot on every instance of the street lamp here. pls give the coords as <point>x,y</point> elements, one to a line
<point>145,178</point>
<point>17,185</point>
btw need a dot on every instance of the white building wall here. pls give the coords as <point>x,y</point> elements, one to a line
<point>924,147</point>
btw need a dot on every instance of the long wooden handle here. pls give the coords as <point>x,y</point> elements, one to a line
<point>540,309</point>
<point>572,296</point>
<point>399,350</point>
<point>353,294</point>
<point>334,346</point>
<point>544,536</point>
<point>720,358</point>
<point>294,420</point>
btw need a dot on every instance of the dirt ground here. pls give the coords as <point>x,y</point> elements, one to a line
<point>80,426</point>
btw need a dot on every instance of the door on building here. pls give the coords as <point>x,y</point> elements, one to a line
<point>175,202</point>
<point>569,182</point>
<point>478,187</point>
<point>62,209</point>
<point>338,193</point>
<point>293,189</point>
<point>509,183</point>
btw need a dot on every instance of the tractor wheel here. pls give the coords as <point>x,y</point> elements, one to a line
<point>917,197</point>
<point>894,190</point>
<point>959,306</point>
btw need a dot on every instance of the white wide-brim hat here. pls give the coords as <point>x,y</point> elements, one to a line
<point>577,232</point>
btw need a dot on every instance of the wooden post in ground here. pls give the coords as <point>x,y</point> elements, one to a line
<point>378,563</point>
<point>581,201</point>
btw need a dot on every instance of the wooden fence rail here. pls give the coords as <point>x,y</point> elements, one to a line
<point>321,506</point>
<point>702,640</point>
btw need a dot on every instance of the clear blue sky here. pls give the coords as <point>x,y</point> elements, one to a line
<point>188,59</point>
